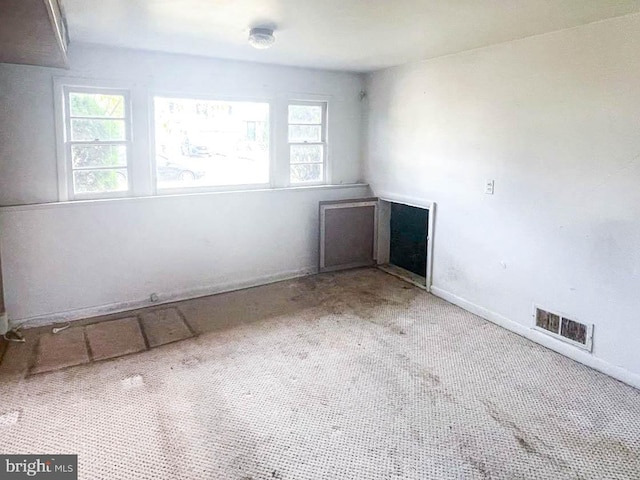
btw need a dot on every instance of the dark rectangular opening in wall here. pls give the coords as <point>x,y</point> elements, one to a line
<point>574,331</point>
<point>408,238</point>
<point>547,320</point>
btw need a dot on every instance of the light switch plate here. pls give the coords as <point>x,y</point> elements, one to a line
<point>488,187</point>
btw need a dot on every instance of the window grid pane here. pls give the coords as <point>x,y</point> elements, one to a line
<point>98,143</point>
<point>98,155</point>
<point>96,105</point>
<point>306,134</point>
<point>100,180</point>
<point>97,130</point>
<point>305,114</point>
<point>306,153</point>
<point>306,172</point>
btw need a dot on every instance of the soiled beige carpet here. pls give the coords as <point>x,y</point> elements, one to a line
<point>354,375</point>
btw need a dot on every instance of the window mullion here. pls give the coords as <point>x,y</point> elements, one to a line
<point>108,167</point>
<point>81,117</point>
<point>90,143</point>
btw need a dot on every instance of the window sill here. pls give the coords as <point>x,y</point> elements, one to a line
<point>181,194</point>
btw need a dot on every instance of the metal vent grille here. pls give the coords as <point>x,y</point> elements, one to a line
<point>571,331</point>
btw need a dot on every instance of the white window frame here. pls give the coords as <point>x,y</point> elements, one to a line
<point>211,98</point>
<point>62,88</point>
<point>140,130</point>
<point>324,105</point>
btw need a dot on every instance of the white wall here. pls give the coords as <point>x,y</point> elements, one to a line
<point>110,255</point>
<point>82,258</point>
<point>555,120</point>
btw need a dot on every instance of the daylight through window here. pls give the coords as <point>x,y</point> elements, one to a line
<point>97,142</point>
<point>307,143</point>
<point>204,143</point>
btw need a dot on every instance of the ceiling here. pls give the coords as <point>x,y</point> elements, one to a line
<point>356,35</point>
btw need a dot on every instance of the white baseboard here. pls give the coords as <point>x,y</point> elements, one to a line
<point>560,347</point>
<point>170,297</point>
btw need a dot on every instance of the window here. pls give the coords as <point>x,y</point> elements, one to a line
<point>97,142</point>
<point>113,140</point>
<point>307,142</point>
<point>205,143</point>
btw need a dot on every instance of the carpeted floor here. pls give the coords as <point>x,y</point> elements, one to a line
<point>353,375</point>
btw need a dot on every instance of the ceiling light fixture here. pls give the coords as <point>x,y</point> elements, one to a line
<point>261,37</point>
